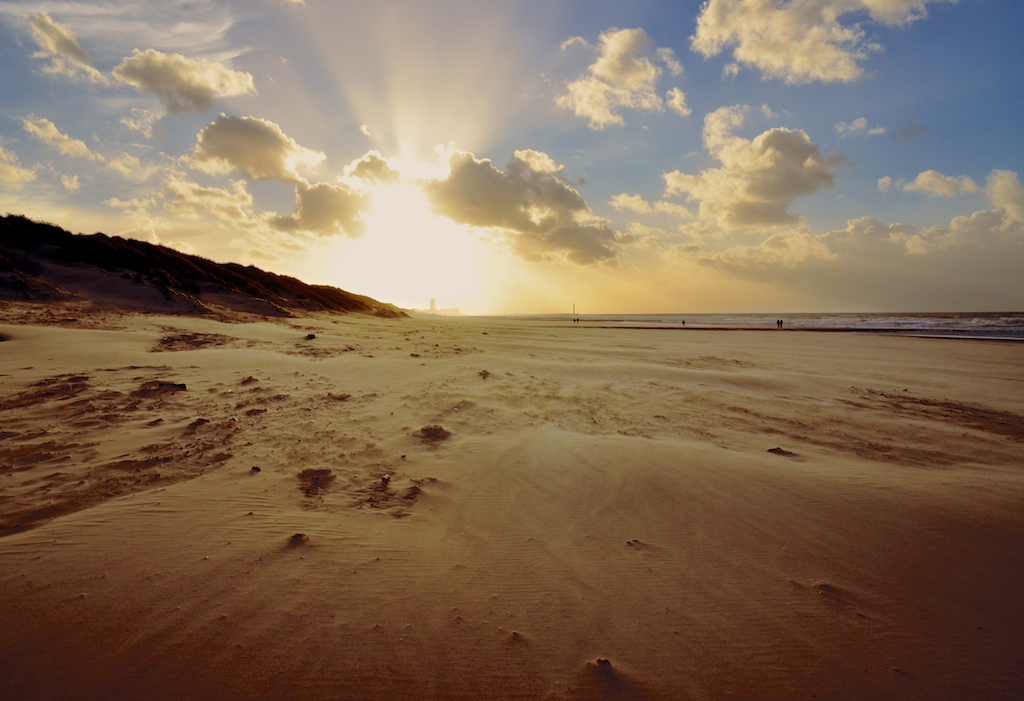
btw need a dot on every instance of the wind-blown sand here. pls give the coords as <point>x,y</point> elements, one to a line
<point>607,518</point>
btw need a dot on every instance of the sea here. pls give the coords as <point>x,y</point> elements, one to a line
<point>1006,326</point>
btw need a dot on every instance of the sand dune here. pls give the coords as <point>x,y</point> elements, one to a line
<point>607,518</point>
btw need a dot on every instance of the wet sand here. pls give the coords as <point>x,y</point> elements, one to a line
<point>614,513</point>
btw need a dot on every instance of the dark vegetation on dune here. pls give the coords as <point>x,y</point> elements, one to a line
<point>34,254</point>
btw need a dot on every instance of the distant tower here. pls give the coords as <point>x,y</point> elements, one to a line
<point>433,306</point>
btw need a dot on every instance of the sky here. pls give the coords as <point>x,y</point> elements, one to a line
<point>651,156</point>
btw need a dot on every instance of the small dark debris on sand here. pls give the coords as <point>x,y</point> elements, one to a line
<point>433,434</point>
<point>197,423</point>
<point>312,481</point>
<point>310,336</point>
<point>190,341</point>
<point>298,539</point>
<point>156,387</point>
<point>484,374</point>
<point>249,380</point>
<point>782,451</point>
<point>54,388</point>
<point>255,468</point>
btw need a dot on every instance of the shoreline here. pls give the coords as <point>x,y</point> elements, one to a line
<point>882,332</point>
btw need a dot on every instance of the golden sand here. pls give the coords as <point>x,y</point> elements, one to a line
<point>615,513</point>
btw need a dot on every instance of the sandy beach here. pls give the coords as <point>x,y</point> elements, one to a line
<point>348,507</point>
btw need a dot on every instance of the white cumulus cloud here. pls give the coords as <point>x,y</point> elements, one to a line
<point>181,84</point>
<point>371,169</point>
<point>540,214</point>
<point>11,172</point>
<point>623,76</point>
<point>189,200</point>
<point>676,99</point>
<point>143,122</point>
<point>934,183</point>
<point>47,132</point>
<point>638,205</point>
<point>1004,190</point>
<point>64,48</point>
<point>858,126</point>
<point>325,210</point>
<point>973,262</point>
<point>800,41</point>
<point>256,147</point>
<point>759,177</point>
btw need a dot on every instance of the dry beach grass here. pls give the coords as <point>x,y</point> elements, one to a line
<point>503,509</point>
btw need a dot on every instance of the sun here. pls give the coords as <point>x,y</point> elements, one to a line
<point>409,255</point>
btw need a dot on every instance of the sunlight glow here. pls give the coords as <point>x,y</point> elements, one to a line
<point>408,255</point>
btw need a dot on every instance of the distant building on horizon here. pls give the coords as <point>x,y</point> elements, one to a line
<point>454,311</point>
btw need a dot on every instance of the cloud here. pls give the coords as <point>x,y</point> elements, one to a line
<point>181,84</point>
<point>973,262</point>
<point>677,102</point>
<point>47,132</point>
<point>786,249</point>
<point>758,179</point>
<point>730,70</point>
<point>189,200</point>
<point>70,182</point>
<point>934,183</point>
<point>64,49</point>
<point>572,41</point>
<point>911,131</point>
<point>1004,190</point>
<point>11,172</point>
<point>668,57</point>
<point>541,216</point>
<point>857,126</point>
<point>131,167</point>
<point>537,161</point>
<point>143,122</point>
<point>364,129</point>
<point>884,184</point>
<point>371,169</point>
<point>799,42</point>
<point>623,76</point>
<point>637,204</point>
<point>253,146</point>
<point>182,247</point>
<point>325,210</point>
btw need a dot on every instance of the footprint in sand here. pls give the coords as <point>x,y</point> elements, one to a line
<point>311,482</point>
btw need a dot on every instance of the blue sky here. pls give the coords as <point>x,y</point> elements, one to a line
<point>735,155</point>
